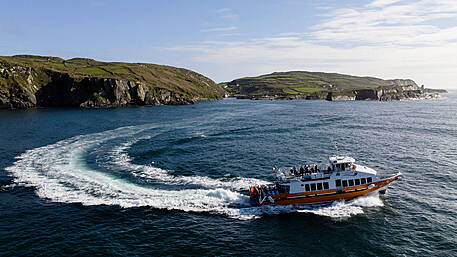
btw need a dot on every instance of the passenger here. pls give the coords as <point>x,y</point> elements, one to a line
<point>307,170</point>
<point>278,187</point>
<point>312,169</point>
<point>315,168</point>
<point>302,170</point>
<point>265,190</point>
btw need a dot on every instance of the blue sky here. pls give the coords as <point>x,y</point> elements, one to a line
<point>225,40</point>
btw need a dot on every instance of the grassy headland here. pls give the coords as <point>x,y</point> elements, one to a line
<point>24,75</point>
<point>303,84</point>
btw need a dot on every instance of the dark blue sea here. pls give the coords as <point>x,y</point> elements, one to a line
<point>173,180</point>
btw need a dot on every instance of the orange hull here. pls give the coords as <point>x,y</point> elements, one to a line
<point>330,195</point>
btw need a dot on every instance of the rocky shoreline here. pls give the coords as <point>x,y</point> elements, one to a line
<point>355,95</point>
<point>381,94</point>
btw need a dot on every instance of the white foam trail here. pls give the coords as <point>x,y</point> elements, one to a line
<point>121,159</point>
<point>59,173</point>
<point>342,209</point>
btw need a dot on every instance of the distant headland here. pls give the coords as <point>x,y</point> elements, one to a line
<point>329,86</point>
<point>28,81</point>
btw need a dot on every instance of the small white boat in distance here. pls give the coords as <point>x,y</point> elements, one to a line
<point>341,179</point>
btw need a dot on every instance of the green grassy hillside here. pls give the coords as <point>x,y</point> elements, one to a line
<point>306,83</point>
<point>26,73</point>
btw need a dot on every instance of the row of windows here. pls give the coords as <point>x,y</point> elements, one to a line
<point>346,183</point>
<point>316,186</point>
<point>352,182</point>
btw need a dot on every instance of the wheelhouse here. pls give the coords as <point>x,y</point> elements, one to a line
<point>339,163</point>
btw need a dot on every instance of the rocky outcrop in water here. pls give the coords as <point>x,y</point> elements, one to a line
<point>378,94</point>
<point>331,96</point>
<point>401,89</point>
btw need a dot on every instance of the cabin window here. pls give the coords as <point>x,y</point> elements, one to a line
<point>351,182</point>
<point>326,185</point>
<point>342,167</point>
<point>307,187</point>
<point>357,181</point>
<point>319,186</point>
<point>338,182</point>
<point>313,187</point>
<point>369,180</point>
<point>345,183</point>
<point>363,180</point>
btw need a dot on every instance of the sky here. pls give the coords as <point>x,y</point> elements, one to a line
<point>225,40</point>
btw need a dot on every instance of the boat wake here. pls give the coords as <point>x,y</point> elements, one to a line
<point>60,173</point>
<point>344,209</point>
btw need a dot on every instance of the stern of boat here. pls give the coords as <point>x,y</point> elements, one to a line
<point>253,196</point>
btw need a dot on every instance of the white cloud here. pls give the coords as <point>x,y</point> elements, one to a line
<point>219,29</point>
<point>223,10</point>
<point>382,3</point>
<point>389,22</point>
<point>387,39</point>
<point>227,13</point>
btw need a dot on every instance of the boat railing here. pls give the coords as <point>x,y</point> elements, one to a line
<point>314,176</point>
<point>285,176</point>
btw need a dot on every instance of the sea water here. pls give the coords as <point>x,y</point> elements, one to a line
<point>174,180</point>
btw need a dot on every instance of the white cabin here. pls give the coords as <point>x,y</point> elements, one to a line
<point>341,163</point>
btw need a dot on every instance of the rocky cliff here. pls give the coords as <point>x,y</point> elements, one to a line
<point>381,94</point>
<point>30,81</point>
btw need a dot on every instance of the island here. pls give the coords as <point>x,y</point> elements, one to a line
<point>28,81</point>
<point>328,86</point>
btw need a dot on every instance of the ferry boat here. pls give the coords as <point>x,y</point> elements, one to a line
<point>341,179</point>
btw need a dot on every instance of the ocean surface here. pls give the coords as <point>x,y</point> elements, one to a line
<point>173,180</point>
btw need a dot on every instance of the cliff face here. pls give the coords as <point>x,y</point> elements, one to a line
<point>102,92</point>
<point>396,93</point>
<point>399,89</point>
<point>27,84</point>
